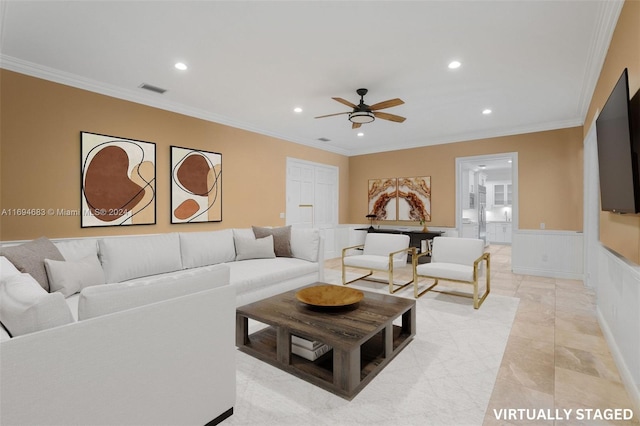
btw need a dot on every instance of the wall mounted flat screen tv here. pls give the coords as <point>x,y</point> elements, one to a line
<point>618,153</point>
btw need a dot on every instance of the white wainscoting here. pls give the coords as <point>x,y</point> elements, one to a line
<point>617,286</point>
<point>556,254</point>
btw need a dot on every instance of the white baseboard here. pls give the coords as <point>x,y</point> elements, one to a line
<point>547,273</point>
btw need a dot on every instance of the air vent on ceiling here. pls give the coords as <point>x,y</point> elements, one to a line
<point>324,139</point>
<point>152,88</point>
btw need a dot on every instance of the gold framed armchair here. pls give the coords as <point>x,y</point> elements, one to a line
<point>380,252</point>
<point>454,259</point>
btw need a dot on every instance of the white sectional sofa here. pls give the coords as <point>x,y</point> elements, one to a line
<point>152,341</point>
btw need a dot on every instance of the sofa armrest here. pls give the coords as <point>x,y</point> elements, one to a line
<point>170,362</point>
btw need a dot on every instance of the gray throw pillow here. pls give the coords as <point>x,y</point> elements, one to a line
<point>29,258</point>
<point>281,239</point>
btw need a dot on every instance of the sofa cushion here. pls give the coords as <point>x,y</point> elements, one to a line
<point>206,248</point>
<point>7,268</point>
<point>4,334</point>
<point>29,258</point>
<point>26,307</point>
<point>254,248</point>
<point>125,258</point>
<point>281,239</point>
<point>305,243</point>
<point>69,277</point>
<point>109,298</point>
<point>259,273</point>
<point>78,249</point>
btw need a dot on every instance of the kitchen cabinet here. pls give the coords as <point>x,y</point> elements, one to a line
<point>499,232</point>
<point>502,194</point>
<point>470,230</point>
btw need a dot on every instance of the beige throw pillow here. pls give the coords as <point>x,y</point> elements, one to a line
<point>281,239</point>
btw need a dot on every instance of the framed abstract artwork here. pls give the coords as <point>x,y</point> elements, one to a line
<point>118,181</point>
<point>383,198</point>
<point>414,198</point>
<point>196,185</point>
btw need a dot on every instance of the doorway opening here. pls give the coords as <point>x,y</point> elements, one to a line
<point>487,197</point>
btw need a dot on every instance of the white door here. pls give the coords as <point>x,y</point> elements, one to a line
<point>312,199</point>
<point>300,194</point>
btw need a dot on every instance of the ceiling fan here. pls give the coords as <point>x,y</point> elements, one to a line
<point>363,113</point>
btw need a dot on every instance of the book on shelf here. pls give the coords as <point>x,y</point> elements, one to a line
<point>310,354</point>
<point>305,343</point>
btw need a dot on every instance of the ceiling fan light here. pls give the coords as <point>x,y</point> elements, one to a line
<point>361,117</point>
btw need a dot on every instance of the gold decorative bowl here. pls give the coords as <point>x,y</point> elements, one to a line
<point>329,296</point>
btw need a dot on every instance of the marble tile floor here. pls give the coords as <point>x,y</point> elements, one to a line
<point>556,356</point>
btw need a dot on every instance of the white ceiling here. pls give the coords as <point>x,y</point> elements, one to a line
<point>534,63</point>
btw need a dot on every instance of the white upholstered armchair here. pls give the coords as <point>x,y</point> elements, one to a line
<point>380,252</point>
<point>457,260</point>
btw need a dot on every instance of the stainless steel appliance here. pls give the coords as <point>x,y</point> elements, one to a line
<point>482,218</point>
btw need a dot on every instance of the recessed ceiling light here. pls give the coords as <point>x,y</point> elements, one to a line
<point>181,66</point>
<point>510,161</point>
<point>360,134</point>
<point>297,110</point>
<point>486,111</point>
<point>454,64</point>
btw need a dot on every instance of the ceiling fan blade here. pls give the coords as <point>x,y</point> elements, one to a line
<point>355,125</point>
<point>345,102</point>
<point>390,117</point>
<point>331,115</point>
<point>386,104</point>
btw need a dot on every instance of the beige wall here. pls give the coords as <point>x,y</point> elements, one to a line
<point>550,176</point>
<point>620,233</point>
<point>40,159</point>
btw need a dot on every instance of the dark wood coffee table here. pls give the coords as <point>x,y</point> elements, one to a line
<point>363,337</point>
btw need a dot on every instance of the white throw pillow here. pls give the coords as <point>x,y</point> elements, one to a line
<point>72,276</point>
<point>109,298</point>
<point>26,307</point>
<point>206,248</point>
<point>7,268</point>
<point>260,248</point>
<point>126,258</point>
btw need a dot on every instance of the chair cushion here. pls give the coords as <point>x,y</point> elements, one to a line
<point>372,262</point>
<point>383,244</point>
<point>463,251</point>
<point>450,271</point>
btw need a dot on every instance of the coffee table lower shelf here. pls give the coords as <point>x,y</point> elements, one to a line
<point>263,345</point>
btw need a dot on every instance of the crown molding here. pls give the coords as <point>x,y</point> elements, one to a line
<point>608,19</point>
<point>474,136</point>
<point>68,79</point>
